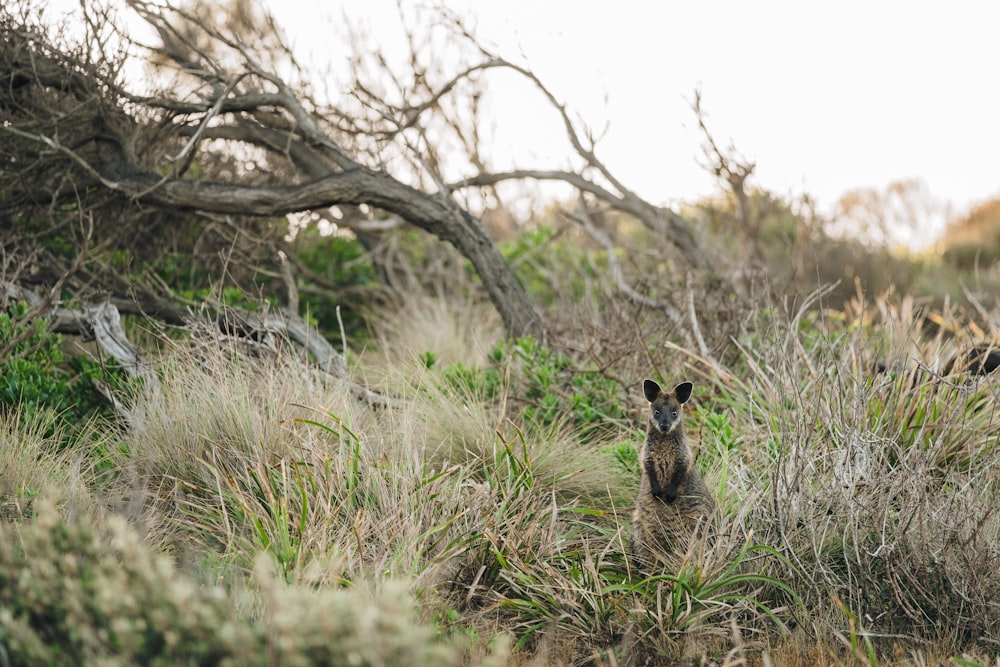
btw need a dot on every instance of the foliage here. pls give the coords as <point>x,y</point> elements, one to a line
<point>473,493</point>
<point>345,268</point>
<point>553,268</point>
<point>555,387</point>
<point>974,241</point>
<point>555,390</point>
<point>35,377</point>
<point>484,382</point>
<point>853,506</point>
<point>72,594</point>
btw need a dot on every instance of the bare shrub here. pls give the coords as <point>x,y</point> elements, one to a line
<point>880,483</point>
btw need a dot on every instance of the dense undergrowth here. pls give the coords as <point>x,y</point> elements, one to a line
<point>246,508</point>
<point>858,512</point>
<point>253,511</point>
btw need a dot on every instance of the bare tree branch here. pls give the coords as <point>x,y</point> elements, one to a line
<point>659,219</point>
<point>732,170</point>
<point>583,221</point>
<point>104,151</point>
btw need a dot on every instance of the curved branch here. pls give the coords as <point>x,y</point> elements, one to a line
<point>276,141</point>
<point>355,186</point>
<point>410,113</point>
<point>657,218</point>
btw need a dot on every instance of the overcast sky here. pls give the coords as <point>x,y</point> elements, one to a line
<point>825,97</point>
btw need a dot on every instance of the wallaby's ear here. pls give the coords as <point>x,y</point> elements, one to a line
<point>683,392</point>
<point>650,389</point>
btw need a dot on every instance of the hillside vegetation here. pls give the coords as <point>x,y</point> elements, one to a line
<point>285,381</point>
<point>253,511</point>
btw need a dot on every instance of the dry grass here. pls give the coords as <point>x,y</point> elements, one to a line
<point>454,323</point>
<point>33,461</point>
<point>858,516</point>
<point>881,486</point>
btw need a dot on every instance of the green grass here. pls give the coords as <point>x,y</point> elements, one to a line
<point>858,514</point>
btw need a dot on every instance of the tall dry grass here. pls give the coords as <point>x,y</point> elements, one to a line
<point>237,456</point>
<point>877,470</point>
<point>39,454</point>
<point>857,507</point>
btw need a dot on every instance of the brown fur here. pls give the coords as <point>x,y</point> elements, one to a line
<point>673,502</point>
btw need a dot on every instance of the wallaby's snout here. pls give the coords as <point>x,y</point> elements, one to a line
<point>665,417</point>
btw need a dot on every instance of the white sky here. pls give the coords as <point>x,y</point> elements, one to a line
<point>826,97</point>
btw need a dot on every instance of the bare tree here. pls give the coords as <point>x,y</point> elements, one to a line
<point>904,212</point>
<point>733,171</point>
<point>226,134</point>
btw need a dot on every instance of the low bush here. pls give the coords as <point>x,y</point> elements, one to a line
<point>72,594</point>
<point>35,375</point>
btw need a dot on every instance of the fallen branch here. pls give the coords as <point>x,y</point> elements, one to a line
<point>102,323</point>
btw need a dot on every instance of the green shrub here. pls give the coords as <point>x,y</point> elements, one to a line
<point>483,382</point>
<point>35,376</point>
<point>71,594</point>
<point>558,390</point>
<point>553,268</point>
<point>551,387</point>
<point>345,265</point>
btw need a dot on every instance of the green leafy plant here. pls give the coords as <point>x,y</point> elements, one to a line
<point>557,390</point>
<point>484,383</point>
<point>35,375</point>
<point>552,268</point>
<point>626,455</point>
<point>857,640</point>
<point>350,450</point>
<point>342,266</point>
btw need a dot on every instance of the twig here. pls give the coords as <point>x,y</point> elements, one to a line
<point>343,338</point>
<point>584,223</point>
<point>56,146</point>
<point>693,317</point>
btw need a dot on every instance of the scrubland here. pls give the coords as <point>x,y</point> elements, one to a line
<point>250,510</point>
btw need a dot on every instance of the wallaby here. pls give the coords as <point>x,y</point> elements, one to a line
<point>673,502</point>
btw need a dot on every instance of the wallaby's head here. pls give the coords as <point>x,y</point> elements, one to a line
<point>665,408</point>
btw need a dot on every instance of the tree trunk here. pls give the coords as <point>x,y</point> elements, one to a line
<point>436,214</point>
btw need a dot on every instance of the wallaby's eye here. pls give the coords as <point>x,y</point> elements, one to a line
<point>673,414</point>
<point>656,413</point>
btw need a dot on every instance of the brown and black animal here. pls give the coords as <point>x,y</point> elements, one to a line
<point>673,503</point>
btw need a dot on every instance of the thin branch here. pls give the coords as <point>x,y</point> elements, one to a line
<point>696,330</point>
<point>584,222</point>
<point>656,218</point>
<point>410,113</point>
<point>633,206</point>
<point>574,138</point>
<point>289,280</point>
<point>59,148</point>
<point>187,152</point>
